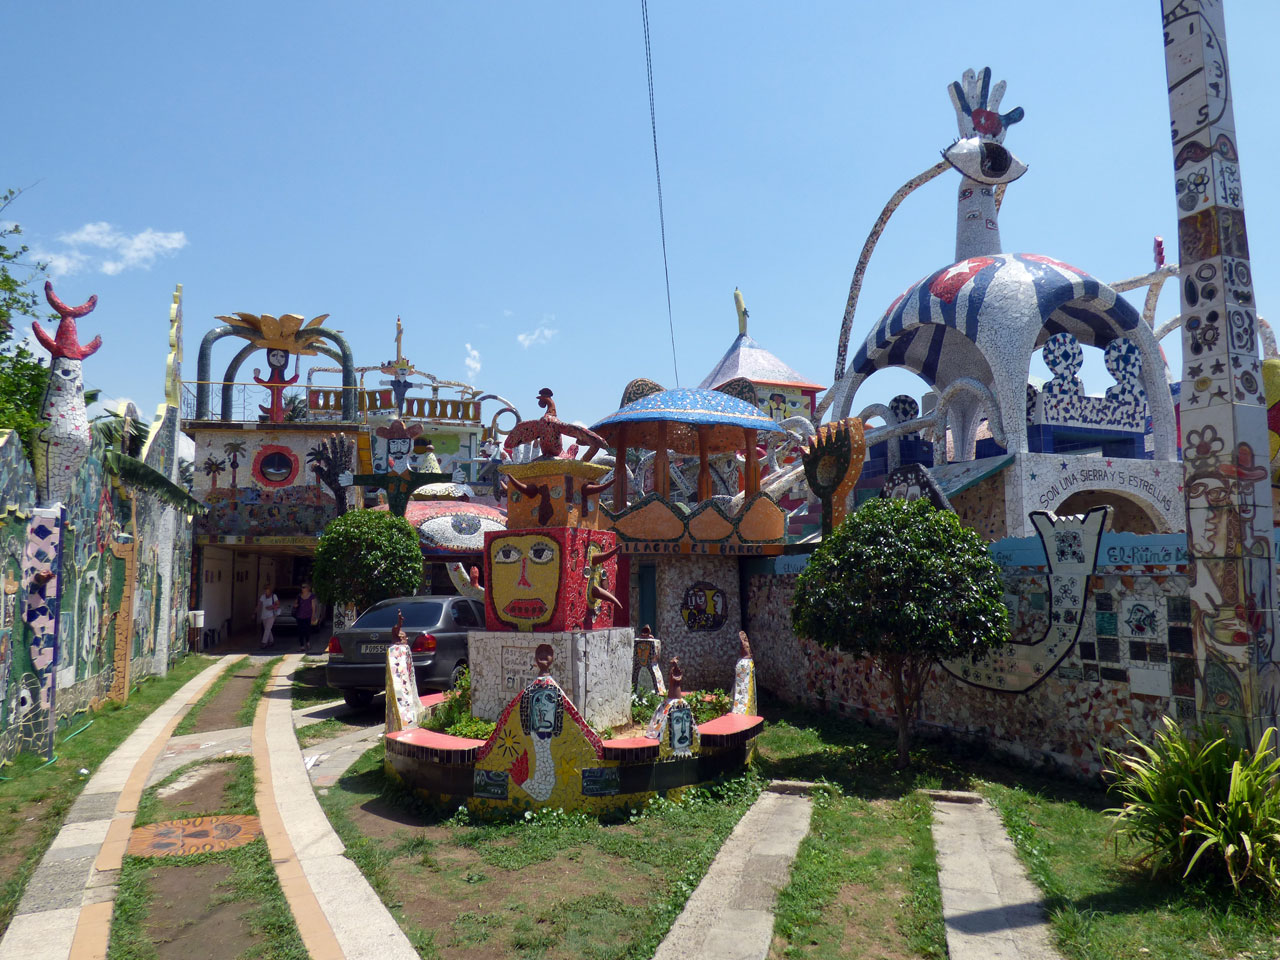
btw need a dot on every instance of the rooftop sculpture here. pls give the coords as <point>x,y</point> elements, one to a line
<point>62,444</point>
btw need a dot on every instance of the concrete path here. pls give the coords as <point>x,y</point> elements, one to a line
<point>66,908</point>
<point>194,747</point>
<point>730,915</point>
<point>327,761</point>
<point>338,914</point>
<point>991,908</point>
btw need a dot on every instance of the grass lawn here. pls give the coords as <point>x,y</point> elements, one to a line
<point>554,885</point>
<point>244,717</point>
<point>36,797</point>
<point>866,873</point>
<point>188,723</point>
<point>218,906</point>
<point>309,687</point>
<point>1103,908</point>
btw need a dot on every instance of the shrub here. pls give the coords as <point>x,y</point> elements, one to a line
<point>1200,804</point>
<point>454,715</point>
<point>365,556</point>
<point>907,586</point>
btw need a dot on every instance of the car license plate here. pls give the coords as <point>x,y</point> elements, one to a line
<point>374,647</point>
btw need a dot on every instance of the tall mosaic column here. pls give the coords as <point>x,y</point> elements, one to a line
<point>1223,414</point>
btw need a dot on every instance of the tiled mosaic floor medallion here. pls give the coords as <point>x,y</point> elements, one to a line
<point>181,838</point>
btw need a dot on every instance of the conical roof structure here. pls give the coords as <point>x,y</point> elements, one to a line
<point>746,358</point>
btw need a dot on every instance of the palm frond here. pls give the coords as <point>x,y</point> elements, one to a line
<point>144,479</point>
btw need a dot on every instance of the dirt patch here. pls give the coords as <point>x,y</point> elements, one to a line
<point>863,915</point>
<point>185,919</point>
<point>199,791</point>
<point>380,820</point>
<point>15,846</point>
<point>481,911</point>
<point>220,712</point>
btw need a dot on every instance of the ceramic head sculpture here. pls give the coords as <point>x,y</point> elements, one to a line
<point>982,160</point>
<point>62,444</point>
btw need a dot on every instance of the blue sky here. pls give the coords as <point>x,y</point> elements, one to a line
<point>485,171</point>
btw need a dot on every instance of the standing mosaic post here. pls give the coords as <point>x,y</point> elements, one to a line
<point>1223,412</point>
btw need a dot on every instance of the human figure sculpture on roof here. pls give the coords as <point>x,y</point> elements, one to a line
<point>276,382</point>
<point>401,479</point>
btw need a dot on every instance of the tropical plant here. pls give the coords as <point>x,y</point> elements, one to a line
<point>213,466</point>
<point>366,556</point>
<point>295,407</point>
<point>120,437</point>
<point>328,460</point>
<point>233,449</point>
<point>1200,803</point>
<point>906,585</point>
<point>23,376</point>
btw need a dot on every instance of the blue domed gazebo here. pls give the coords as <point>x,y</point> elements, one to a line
<point>686,420</point>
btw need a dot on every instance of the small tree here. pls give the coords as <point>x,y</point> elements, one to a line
<point>22,375</point>
<point>906,585</point>
<point>365,556</point>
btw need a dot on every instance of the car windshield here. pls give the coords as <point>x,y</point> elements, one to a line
<point>415,615</point>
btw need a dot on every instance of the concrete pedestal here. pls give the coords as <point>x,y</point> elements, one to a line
<point>592,666</point>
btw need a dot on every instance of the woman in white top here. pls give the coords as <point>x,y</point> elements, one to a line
<point>268,607</point>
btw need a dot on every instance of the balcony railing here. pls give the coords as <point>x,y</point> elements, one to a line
<point>248,403</point>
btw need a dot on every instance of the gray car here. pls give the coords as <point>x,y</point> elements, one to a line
<point>435,627</point>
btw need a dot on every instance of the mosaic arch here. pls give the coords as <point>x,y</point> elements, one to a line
<point>984,318</point>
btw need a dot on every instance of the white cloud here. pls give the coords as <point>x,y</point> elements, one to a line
<point>60,264</point>
<point>103,247</point>
<point>542,334</point>
<point>472,360</point>
<point>507,313</point>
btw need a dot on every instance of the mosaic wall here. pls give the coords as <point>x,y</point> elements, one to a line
<point>982,506</point>
<point>699,617</point>
<point>94,591</point>
<point>259,483</point>
<point>1132,663</point>
<point>502,664</point>
<point>106,617</point>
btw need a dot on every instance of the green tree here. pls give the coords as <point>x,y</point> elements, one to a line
<point>907,586</point>
<point>365,556</point>
<point>22,375</point>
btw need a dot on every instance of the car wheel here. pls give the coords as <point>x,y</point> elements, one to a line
<point>458,670</point>
<point>358,699</point>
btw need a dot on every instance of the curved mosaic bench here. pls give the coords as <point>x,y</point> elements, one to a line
<point>491,776</point>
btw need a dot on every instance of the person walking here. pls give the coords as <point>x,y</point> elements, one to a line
<point>304,612</point>
<point>268,607</point>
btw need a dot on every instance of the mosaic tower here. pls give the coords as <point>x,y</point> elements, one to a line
<point>1223,412</point>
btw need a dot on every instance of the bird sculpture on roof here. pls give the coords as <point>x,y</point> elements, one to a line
<point>61,445</point>
<point>549,432</point>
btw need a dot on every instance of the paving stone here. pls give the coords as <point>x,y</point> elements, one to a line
<point>56,885</point>
<point>730,915</point>
<point>96,806</point>
<point>991,909</point>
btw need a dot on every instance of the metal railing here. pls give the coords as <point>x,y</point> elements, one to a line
<point>240,402</point>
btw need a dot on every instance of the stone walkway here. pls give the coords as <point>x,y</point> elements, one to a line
<point>337,912</point>
<point>66,908</point>
<point>991,908</point>
<point>730,915</point>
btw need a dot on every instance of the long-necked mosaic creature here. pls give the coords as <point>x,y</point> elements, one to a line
<point>62,444</point>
